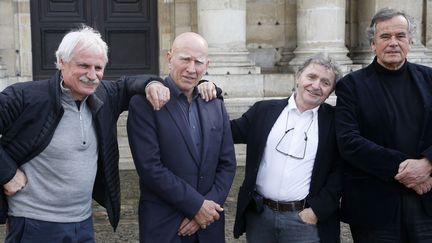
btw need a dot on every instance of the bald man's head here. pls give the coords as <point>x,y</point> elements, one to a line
<point>188,60</point>
<point>190,39</point>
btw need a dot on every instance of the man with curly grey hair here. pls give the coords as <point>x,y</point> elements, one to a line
<point>384,132</point>
<point>58,145</point>
<point>292,181</point>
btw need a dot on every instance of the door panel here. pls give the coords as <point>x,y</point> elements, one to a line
<point>128,26</point>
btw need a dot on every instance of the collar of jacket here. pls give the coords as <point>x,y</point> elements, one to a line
<point>94,102</point>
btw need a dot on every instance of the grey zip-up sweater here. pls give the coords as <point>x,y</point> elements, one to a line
<point>30,113</point>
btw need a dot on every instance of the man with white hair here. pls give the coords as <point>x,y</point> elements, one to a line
<point>58,145</point>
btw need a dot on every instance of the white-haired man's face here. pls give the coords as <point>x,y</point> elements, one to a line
<point>83,73</point>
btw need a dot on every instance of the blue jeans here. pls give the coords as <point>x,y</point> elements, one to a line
<point>25,230</point>
<point>271,226</point>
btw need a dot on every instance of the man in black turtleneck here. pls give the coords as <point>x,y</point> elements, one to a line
<point>384,132</point>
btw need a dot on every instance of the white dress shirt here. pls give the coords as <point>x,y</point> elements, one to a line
<point>286,175</point>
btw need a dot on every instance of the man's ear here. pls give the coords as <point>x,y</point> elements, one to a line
<point>61,63</point>
<point>372,44</point>
<point>169,56</point>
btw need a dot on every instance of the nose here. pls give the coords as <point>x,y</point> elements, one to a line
<point>191,67</point>
<point>91,74</point>
<point>316,84</point>
<point>393,41</point>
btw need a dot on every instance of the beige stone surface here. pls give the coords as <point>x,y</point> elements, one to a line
<point>271,43</point>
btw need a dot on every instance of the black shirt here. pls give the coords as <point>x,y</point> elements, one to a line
<point>405,106</point>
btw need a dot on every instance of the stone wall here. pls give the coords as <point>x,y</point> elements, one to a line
<point>272,28</point>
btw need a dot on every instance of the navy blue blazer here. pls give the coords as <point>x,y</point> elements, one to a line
<point>253,129</point>
<point>371,195</point>
<point>173,181</point>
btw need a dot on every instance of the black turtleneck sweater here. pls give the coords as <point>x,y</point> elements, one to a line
<point>405,106</point>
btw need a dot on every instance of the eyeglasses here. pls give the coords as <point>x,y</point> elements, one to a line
<point>296,150</point>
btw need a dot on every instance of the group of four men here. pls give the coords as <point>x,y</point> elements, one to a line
<point>58,148</point>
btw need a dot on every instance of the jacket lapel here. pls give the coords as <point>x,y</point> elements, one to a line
<point>181,122</point>
<point>206,127</point>
<point>325,119</point>
<point>424,88</point>
<point>271,116</point>
<point>376,91</point>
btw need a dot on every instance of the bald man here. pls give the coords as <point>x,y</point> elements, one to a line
<point>183,153</point>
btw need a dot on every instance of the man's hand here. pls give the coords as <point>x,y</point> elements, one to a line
<point>208,213</point>
<point>308,216</point>
<point>16,184</point>
<point>424,187</point>
<point>413,172</point>
<point>157,94</point>
<point>207,90</point>
<point>188,227</point>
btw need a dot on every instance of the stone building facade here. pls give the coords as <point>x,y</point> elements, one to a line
<point>255,45</point>
<point>245,36</point>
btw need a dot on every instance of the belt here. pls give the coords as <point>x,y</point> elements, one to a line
<point>285,206</point>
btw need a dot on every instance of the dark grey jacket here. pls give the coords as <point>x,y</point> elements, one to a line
<point>30,113</point>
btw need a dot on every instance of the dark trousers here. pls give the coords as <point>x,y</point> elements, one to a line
<point>25,230</point>
<point>190,239</point>
<point>415,226</point>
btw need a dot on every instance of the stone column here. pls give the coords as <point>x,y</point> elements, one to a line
<point>290,35</point>
<point>362,53</point>
<point>223,24</point>
<point>3,70</point>
<point>23,41</point>
<point>5,39</point>
<point>3,76</point>
<point>428,21</point>
<point>418,52</point>
<point>320,28</point>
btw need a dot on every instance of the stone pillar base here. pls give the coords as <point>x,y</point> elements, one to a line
<point>363,57</point>
<point>287,56</point>
<point>231,62</point>
<point>3,71</point>
<point>418,54</point>
<point>3,77</point>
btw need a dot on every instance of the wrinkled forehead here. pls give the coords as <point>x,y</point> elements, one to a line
<point>320,71</point>
<point>89,51</point>
<point>398,24</point>
<point>201,57</point>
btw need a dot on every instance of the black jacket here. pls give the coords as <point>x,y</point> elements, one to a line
<point>30,113</point>
<point>365,133</point>
<point>253,129</point>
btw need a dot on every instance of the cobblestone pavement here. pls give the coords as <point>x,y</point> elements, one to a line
<point>128,227</point>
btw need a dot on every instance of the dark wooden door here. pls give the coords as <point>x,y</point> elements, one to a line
<point>128,26</point>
